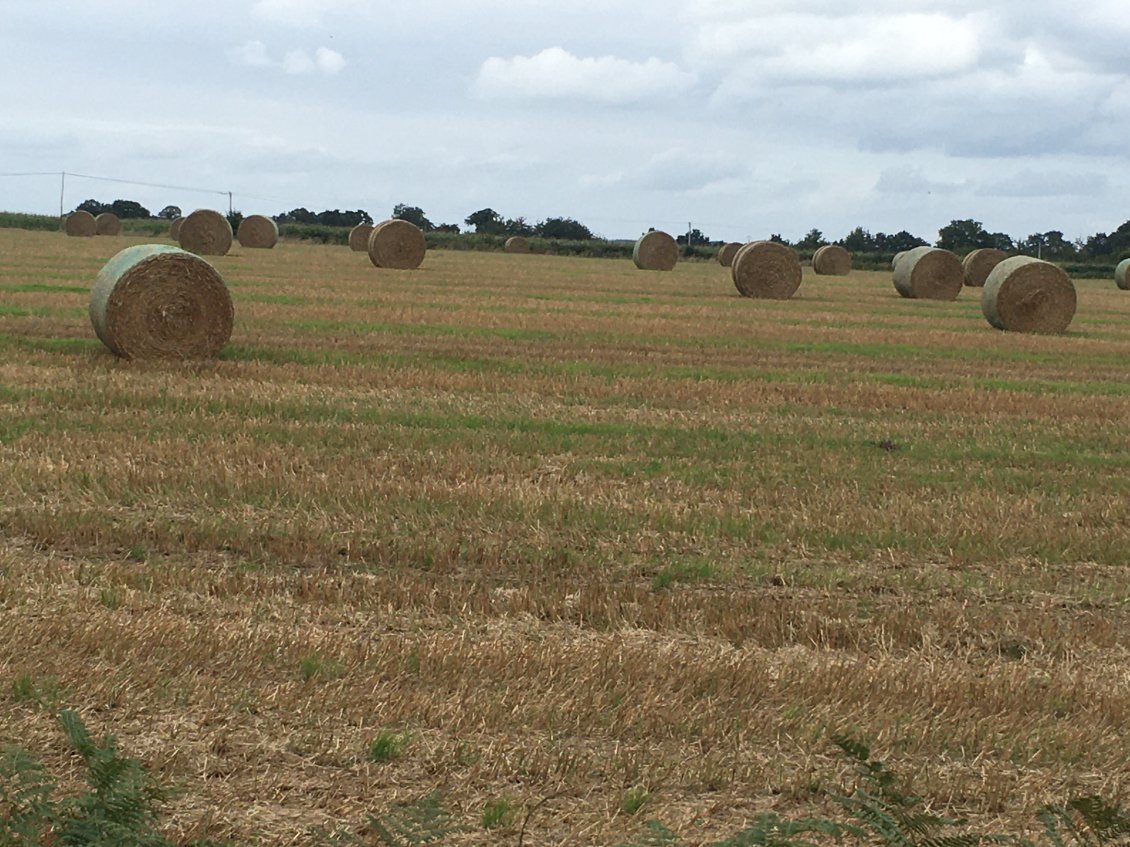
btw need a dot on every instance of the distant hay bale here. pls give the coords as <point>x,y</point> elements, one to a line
<point>205,233</point>
<point>727,253</point>
<point>517,244</point>
<point>897,256</point>
<point>656,251</point>
<point>929,273</point>
<point>1120,275</point>
<point>359,237</point>
<point>258,231</point>
<point>174,228</point>
<point>1023,294</point>
<point>832,260</point>
<point>80,223</point>
<point>107,223</point>
<point>397,244</point>
<point>980,263</point>
<point>766,269</point>
<point>155,301</point>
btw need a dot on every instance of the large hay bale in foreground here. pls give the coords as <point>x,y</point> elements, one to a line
<point>258,231</point>
<point>929,273</point>
<point>727,253</point>
<point>517,244</point>
<point>1023,294</point>
<point>174,228</point>
<point>206,233</point>
<point>766,269</point>
<point>156,301</point>
<point>656,251</point>
<point>980,263</point>
<point>107,223</point>
<point>831,260</point>
<point>80,223</point>
<point>397,244</point>
<point>359,237</point>
<point>1121,278</point>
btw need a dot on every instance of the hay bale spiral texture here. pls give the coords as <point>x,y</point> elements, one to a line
<point>206,233</point>
<point>258,231</point>
<point>656,251</point>
<point>929,273</point>
<point>174,228</point>
<point>1122,275</point>
<point>980,263</point>
<point>727,253</point>
<point>155,301</point>
<point>397,244</point>
<point>107,223</point>
<point>359,237</point>
<point>1024,294</point>
<point>832,260</point>
<point>517,244</point>
<point>81,224</point>
<point>766,269</point>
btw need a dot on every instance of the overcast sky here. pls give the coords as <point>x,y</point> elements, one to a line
<point>744,117</point>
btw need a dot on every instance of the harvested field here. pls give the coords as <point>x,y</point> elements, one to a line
<point>572,529</point>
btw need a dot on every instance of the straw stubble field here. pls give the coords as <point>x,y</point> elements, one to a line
<point>572,529</point>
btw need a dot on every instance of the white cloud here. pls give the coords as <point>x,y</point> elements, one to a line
<point>254,54</point>
<point>328,61</point>
<point>555,73</point>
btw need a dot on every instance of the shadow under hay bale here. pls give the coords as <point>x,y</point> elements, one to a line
<point>258,231</point>
<point>1121,278</point>
<point>727,253</point>
<point>1023,294</point>
<point>929,273</point>
<point>397,244</point>
<point>766,269</point>
<point>831,260</point>
<point>656,251</point>
<point>154,301</point>
<point>980,263</point>
<point>359,237</point>
<point>107,223</point>
<point>206,233</point>
<point>81,224</point>
<point>517,244</point>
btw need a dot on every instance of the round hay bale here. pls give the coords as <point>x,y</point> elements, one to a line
<point>517,244</point>
<point>205,233</point>
<point>1023,294</point>
<point>656,251</point>
<point>766,269</point>
<point>1120,275</point>
<point>727,253</point>
<point>397,244</point>
<point>929,273</point>
<point>832,260</point>
<point>155,301</point>
<point>80,223</point>
<point>258,231</point>
<point>980,263</point>
<point>174,228</point>
<point>896,257</point>
<point>359,237</point>
<point>107,223</point>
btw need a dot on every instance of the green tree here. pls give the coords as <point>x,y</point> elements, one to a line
<point>965,235</point>
<point>129,209</point>
<point>486,222</point>
<point>92,206</point>
<point>859,240</point>
<point>565,229</point>
<point>169,213</point>
<point>414,215</point>
<point>813,239</point>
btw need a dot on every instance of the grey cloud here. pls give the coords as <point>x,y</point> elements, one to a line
<point>911,180</point>
<point>1031,183</point>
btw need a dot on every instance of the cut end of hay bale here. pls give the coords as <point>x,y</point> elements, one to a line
<point>154,301</point>
<point>174,228</point>
<point>258,231</point>
<point>206,233</point>
<point>81,224</point>
<point>656,251</point>
<point>832,260</point>
<point>359,237</point>
<point>1023,294</point>
<point>980,263</point>
<point>1122,275</point>
<point>929,273</point>
<point>107,223</point>
<point>766,269</point>
<point>727,253</point>
<point>397,244</point>
<point>517,244</point>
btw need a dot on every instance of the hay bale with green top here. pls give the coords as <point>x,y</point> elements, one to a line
<point>766,269</point>
<point>206,233</point>
<point>978,264</point>
<point>397,244</point>
<point>656,251</point>
<point>154,301</point>
<point>1023,294</point>
<point>929,273</point>
<point>258,231</point>
<point>1122,275</point>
